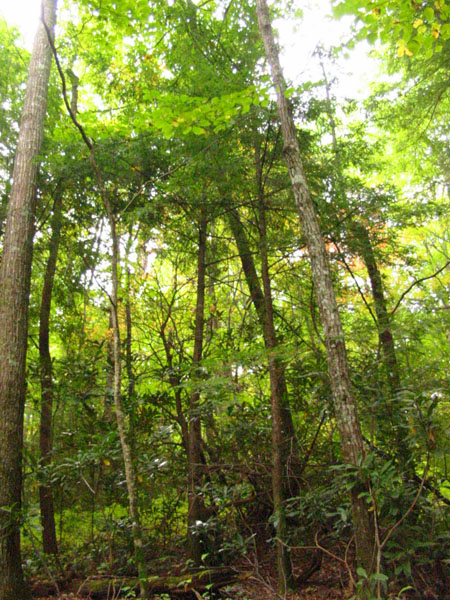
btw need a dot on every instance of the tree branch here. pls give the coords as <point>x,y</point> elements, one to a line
<point>416,282</point>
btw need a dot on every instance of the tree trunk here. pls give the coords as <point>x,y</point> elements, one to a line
<point>390,410</point>
<point>117,359</point>
<point>282,449</point>
<point>384,323</point>
<point>196,508</point>
<point>108,400</point>
<point>130,475</point>
<point>49,542</point>
<point>344,402</point>
<point>259,302</point>
<point>15,277</point>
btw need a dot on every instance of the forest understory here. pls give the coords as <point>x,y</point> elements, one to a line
<point>225,302</point>
<point>326,579</point>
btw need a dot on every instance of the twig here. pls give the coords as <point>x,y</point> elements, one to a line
<point>43,562</point>
<point>352,275</point>
<point>341,560</point>
<point>311,446</point>
<point>87,484</point>
<point>417,281</point>
<point>410,509</point>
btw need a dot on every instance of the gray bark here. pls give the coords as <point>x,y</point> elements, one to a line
<point>130,475</point>
<point>343,398</point>
<point>117,377</point>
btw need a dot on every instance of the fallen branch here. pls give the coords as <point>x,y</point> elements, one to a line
<point>189,585</point>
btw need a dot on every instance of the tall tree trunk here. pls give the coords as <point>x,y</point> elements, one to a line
<point>196,508</point>
<point>108,400</point>
<point>385,336</point>
<point>281,449</point>
<point>49,542</point>
<point>117,379</point>
<point>384,322</point>
<point>130,475</point>
<point>15,274</point>
<point>386,339</point>
<point>344,402</point>
<point>259,302</point>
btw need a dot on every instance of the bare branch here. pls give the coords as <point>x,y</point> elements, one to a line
<point>416,282</point>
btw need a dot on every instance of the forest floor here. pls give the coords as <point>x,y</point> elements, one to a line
<point>330,582</point>
<point>327,579</point>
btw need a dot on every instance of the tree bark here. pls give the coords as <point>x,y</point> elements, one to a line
<point>117,359</point>
<point>130,475</point>
<point>390,410</point>
<point>343,398</point>
<point>15,274</point>
<point>108,400</point>
<point>384,323</point>
<point>280,443</point>
<point>49,542</point>
<point>259,302</point>
<point>196,508</point>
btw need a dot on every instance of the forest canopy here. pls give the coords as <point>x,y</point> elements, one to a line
<point>224,303</point>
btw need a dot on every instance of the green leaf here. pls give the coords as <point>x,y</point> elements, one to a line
<point>362,572</point>
<point>289,92</point>
<point>379,577</point>
<point>428,13</point>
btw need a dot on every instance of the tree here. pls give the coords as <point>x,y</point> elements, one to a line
<point>14,297</point>
<point>196,508</point>
<point>49,542</point>
<point>344,402</point>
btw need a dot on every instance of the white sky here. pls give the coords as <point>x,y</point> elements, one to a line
<point>24,14</point>
<point>298,38</point>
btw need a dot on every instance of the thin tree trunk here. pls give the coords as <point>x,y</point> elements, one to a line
<point>384,322</point>
<point>15,275</point>
<point>130,475</point>
<point>386,338</point>
<point>109,376</point>
<point>344,402</point>
<point>196,508</point>
<point>49,542</point>
<point>259,302</point>
<point>280,444</point>
<point>114,298</point>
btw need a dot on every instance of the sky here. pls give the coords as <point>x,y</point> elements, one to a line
<point>24,15</point>
<point>299,39</point>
